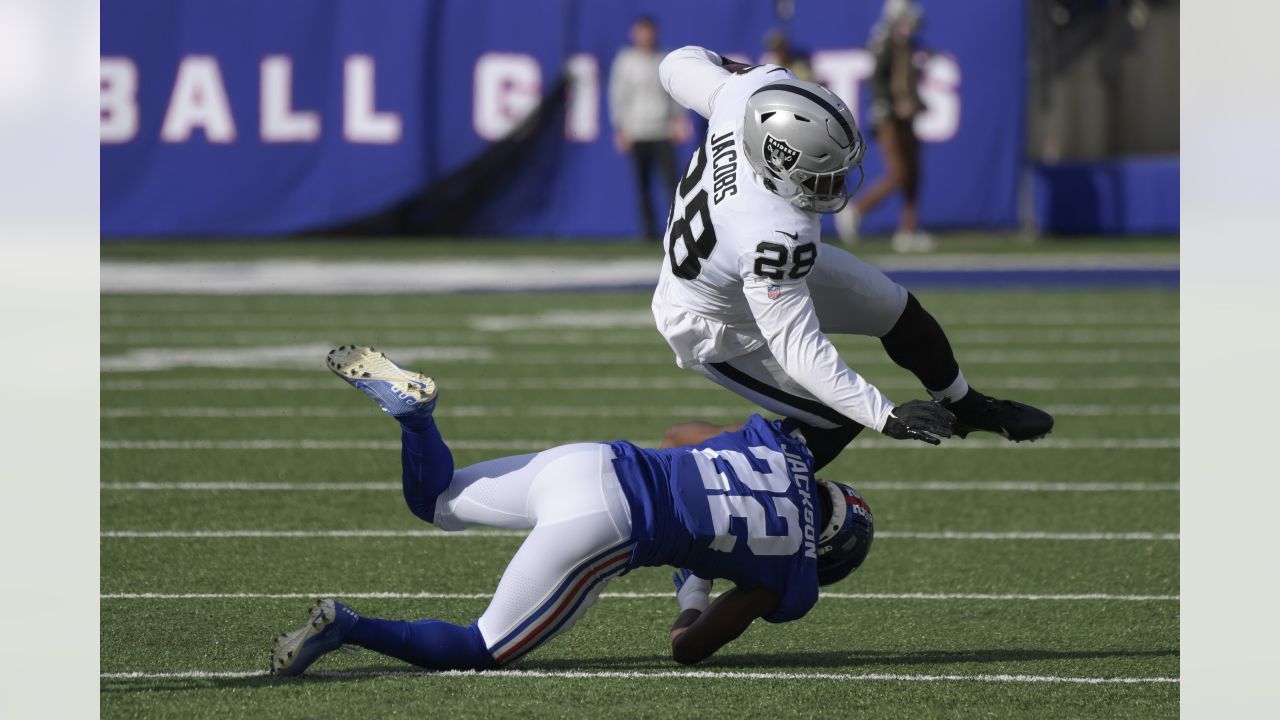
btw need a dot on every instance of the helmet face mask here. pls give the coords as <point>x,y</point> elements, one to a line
<point>826,192</point>
<point>846,537</point>
<point>803,142</point>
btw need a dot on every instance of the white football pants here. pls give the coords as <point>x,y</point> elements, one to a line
<point>580,537</point>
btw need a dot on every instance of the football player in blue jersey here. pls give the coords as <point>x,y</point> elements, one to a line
<point>741,506</point>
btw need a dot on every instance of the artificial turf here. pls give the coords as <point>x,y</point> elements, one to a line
<point>521,370</point>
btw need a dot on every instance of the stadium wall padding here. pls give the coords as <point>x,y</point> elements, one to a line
<point>238,117</point>
<point>1126,196</point>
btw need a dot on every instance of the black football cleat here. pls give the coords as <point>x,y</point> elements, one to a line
<point>1014,420</point>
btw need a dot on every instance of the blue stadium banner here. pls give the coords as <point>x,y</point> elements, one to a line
<point>243,117</point>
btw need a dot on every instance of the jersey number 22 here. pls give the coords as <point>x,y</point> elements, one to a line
<point>750,507</point>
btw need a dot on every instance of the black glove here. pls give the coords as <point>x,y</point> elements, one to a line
<point>919,420</point>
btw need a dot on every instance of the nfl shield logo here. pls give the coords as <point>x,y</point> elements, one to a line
<point>774,291</point>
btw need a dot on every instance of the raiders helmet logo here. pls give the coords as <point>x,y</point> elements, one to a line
<point>779,155</point>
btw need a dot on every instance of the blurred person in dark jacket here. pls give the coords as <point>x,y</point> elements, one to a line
<point>646,121</point>
<point>896,103</point>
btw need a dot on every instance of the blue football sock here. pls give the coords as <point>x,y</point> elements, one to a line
<point>427,465</point>
<point>432,644</point>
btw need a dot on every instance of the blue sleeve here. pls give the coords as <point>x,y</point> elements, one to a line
<point>799,597</point>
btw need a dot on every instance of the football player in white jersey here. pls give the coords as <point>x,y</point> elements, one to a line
<point>748,293</point>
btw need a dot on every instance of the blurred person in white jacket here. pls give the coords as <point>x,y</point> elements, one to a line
<point>646,122</point>
<point>747,292</point>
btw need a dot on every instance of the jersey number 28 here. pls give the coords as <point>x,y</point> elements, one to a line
<point>772,262</point>
<point>697,244</point>
<point>762,510</point>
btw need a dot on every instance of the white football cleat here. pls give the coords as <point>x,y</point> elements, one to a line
<point>328,623</point>
<point>913,242</point>
<point>399,392</point>
<point>847,222</point>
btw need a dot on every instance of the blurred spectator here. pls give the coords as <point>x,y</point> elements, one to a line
<point>778,51</point>
<point>895,104</point>
<point>646,121</point>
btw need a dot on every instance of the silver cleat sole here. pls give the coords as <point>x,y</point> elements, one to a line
<point>356,362</point>
<point>288,644</point>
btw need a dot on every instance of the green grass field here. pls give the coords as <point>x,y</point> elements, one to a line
<point>1054,564</point>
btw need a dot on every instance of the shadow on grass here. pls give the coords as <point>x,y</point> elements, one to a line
<point>781,662</point>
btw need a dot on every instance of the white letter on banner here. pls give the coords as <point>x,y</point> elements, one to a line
<point>582,121</point>
<point>362,123</point>
<point>119,100</point>
<point>841,71</point>
<point>199,100</point>
<point>939,89</point>
<point>507,88</point>
<point>279,122</point>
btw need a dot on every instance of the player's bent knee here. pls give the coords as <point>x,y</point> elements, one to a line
<point>421,511</point>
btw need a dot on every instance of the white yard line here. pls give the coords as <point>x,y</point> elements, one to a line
<point>322,315</point>
<point>928,485</point>
<point>661,675</point>
<point>569,411</point>
<point>309,356</point>
<point>306,276</point>
<point>1099,536</point>
<point>887,535</point>
<point>1155,443</point>
<point>642,339</point>
<point>1015,486</point>
<point>615,383</point>
<point>1016,597</point>
<point>373,277</point>
<point>255,486</point>
<point>625,383</point>
<point>232,534</point>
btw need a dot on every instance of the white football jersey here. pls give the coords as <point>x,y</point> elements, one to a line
<point>736,254</point>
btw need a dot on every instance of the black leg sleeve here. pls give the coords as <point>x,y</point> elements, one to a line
<point>825,443</point>
<point>917,343</point>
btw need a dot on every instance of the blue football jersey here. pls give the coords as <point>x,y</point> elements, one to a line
<point>740,506</point>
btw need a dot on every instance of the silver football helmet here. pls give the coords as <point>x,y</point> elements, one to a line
<point>802,140</point>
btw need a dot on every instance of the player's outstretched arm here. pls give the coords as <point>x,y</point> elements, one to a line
<point>698,634</point>
<point>693,433</point>
<point>790,326</point>
<point>791,329</point>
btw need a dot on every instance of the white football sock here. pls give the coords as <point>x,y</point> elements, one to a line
<point>953,392</point>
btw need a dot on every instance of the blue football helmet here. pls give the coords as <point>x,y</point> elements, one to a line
<point>846,538</point>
